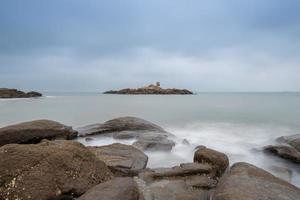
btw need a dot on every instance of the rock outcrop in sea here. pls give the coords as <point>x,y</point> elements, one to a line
<point>151,89</point>
<point>148,136</point>
<point>14,93</point>
<point>32,167</point>
<point>288,148</point>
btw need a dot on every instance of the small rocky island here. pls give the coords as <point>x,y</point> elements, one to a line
<point>14,93</point>
<point>150,89</point>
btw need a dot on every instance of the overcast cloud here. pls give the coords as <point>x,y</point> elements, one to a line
<point>94,45</point>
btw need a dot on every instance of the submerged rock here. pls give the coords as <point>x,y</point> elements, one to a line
<point>13,93</point>
<point>245,181</point>
<point>285,152</point>
<point>35,131</point>
<point>149,136</point>
<point>49,170</point>
<point>123,160</point>
<point>115,189</point>
<point>219,161</point>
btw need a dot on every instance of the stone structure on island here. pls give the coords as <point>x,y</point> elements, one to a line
<point>150,89</point>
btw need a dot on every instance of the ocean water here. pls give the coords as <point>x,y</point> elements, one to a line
<point>238,124</point>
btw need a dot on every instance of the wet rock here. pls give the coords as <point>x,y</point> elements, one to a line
<point>58,169</point>
<point>123,160</point>
<point>148,135</point>
<point>285,152</point>
<point>13,93</point>
<point>283,173</point>
<point>219,161</point>
<point>154,143</point>
<point>115,189</point>
<point>293,140</point>
<point>187,182</point>
<point>245,181</point>
<point>118,125</point>
<point>34,132</point>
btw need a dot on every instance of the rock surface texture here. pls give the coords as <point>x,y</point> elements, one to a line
<point>49,170</point>
<point>34,132</point>
<point>115,189</point>
<point>151,89</point>
<point>247,182</point>
<point>148,135</point>
<point>123,160</point>
<point>188,181</point>
<point>13,93</point>
<point>219,161</point>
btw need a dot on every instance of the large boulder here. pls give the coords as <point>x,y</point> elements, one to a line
<point>148,135</point>
<point>118,125</point>
<point>284,151</point>
<point>35,131</point>
<point>123,160</point>
<point>219,161</point>
<point>58,169</point>
<point>13,93</point>
<point>115,189</point>
<point>189,181</point>
<point>247,182</point>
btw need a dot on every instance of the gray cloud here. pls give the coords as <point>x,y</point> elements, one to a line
<point>97,45</point>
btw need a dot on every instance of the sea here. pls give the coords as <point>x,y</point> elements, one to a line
<point>237,124</point>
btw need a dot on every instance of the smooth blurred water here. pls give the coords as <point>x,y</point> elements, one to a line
<point>238,124</point>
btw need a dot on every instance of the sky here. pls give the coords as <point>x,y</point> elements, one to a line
<point>98,45</point>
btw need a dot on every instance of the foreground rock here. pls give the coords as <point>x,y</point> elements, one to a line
<point>285,152</point>
<point>148,135</point>
<point>189,181</point>
<point>49,170</point>
<point>151,89</point>
<point>34,132</point>
<point>123,160</point>
<point>13,93</point>
<point>245,181</point>
<point>219,161</point>
<point>115,189</point>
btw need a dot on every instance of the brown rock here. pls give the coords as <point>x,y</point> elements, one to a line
<point>285,152</point>
<point>247,182</point>
<point>123,160</point>
<point>218,160</point>
<point>34,131</point>
<point>115,189</point>
<point>49,170</point>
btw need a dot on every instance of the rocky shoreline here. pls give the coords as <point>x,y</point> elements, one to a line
<point>14,93</point>
<point>40,160</point>
<point>151,89</point>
